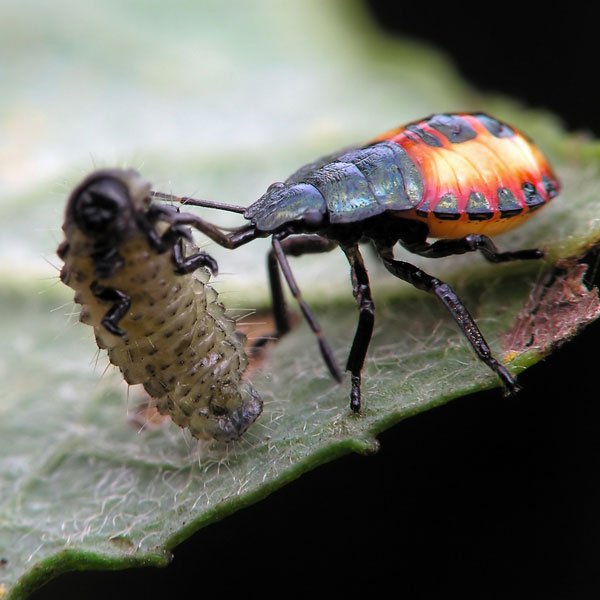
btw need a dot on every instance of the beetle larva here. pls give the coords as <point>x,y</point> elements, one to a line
<point>143,288</point>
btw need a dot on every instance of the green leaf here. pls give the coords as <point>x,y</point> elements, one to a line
<point>218,100</point>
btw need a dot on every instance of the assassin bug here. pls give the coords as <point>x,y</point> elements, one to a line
<point>457,177</point>
<point>143,287</point>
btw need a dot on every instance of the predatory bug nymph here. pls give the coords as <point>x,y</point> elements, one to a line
<point>143,288</point>
<point>460,178</point>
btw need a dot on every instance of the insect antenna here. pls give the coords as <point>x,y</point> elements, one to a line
<point>196,202</point>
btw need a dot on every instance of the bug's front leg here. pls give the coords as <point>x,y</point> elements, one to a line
<point>292,246</point>
<point>172,239</point>
<point>121,304</point>
<point>240,236</point>
<point>297,246</point>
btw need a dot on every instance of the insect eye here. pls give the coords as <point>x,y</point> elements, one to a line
<point>97,207</point>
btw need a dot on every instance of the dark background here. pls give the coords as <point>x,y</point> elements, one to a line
<point>548,59</point>
<point>486,496</point>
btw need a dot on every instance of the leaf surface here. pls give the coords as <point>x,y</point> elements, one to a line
<point>221,112</point>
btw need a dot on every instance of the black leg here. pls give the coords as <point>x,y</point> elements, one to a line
<point>238,238</point>
<point>450,300</point>
<point>173,238</point>
<point>148,221</point>
<point>366,321</point>
<point>106,262</point>
<point>121,303</point>
<point>280,256</point>
<point>292,246</point>
<point>470,243</point>
<point>280,314</point>
<point>190,263</point>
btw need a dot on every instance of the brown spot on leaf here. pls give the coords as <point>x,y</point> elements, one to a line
<point>557,309</point>
<point>122,542</point>
<point>260,325</point>
<point>145,415</point>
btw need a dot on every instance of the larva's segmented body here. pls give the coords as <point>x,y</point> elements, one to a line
<point>143,287</point>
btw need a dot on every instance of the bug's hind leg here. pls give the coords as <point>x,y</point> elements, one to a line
<point>470,243</point>
<point>450,300</point>
<point>278,259</point>
<point>121,303</point>
<point>366,321</point>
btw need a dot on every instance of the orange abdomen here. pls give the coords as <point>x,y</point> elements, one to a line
<point>478,175</point>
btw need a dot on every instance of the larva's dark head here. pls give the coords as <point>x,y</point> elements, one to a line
<point>236,419</point>
<point>105,205</point>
